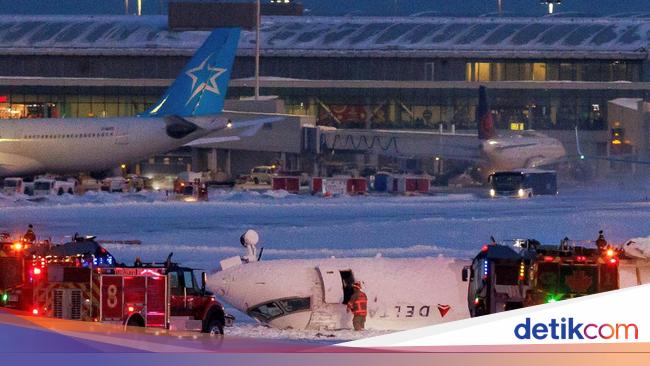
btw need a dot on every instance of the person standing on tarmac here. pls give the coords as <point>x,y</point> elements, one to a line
<point>601,243</point>
<point>358,305</point>
<point>29,235</point>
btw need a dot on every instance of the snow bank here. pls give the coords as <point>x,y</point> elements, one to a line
<point>262,331</point>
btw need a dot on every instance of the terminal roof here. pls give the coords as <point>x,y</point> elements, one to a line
<point>616,37</point>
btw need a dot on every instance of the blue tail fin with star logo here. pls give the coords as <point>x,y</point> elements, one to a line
<point>201,87</point>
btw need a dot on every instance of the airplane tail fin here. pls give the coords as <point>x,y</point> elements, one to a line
<point>200,89</point>
<point>484,121</point>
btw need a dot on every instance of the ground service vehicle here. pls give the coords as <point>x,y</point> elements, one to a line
<point>504,277</point>
<point>263,174</point>
<point>81,280</point>
<point>523,183</point>
<point>115,184</point>
<point>13,186</point>
<point>48,186</point>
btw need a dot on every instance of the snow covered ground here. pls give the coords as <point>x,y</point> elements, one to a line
<point>456,225</point>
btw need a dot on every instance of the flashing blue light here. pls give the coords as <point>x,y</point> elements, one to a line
<point>582,157</point>
<point>485,268</point>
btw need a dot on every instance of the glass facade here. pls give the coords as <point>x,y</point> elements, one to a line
<point>361,108</point>
<point>552,71</point>
<point>524,110</point>
<point>19,106</point>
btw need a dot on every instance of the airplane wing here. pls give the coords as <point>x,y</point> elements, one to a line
<point>239,121</point>
<point>583,156</point>
<point>259,122</point>
<point>212,140</point>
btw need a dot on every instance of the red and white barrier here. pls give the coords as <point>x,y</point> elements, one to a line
<point>289,184</point>
<point>337,186</point>
<point>410,184</point>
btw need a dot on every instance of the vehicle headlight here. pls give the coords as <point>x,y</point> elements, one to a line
<point>492,192</point>
<point>521,192</point>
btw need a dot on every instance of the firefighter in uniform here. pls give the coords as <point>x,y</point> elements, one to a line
<point>601,243</point>
<point>29,236</point>
<point>358,305</point>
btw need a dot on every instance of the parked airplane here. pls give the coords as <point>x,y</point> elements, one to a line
<point>312,293</point>
<point>189,109</point>
<point>521,150</point>
<point>525,149</point>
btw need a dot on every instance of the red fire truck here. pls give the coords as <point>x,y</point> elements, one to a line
<point>193,191</point>
<point>505,277</point>
<point>81,280</point>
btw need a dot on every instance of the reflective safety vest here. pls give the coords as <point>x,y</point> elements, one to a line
<point>360,305</point>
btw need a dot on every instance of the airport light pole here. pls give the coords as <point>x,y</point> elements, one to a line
<point>257,49</point>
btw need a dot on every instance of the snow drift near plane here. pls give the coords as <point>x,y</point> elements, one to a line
<point>189,109</point>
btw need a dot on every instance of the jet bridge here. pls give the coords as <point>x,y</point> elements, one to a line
<point>460,146</point>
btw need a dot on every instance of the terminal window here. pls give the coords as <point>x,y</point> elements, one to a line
<point>478,71</point>
<point>429,69</point>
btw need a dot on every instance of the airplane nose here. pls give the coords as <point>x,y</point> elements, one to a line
<point>218,283</point>
<point>236,286</point>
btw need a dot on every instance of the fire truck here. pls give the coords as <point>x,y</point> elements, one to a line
<point>190,191</point>
<point>81,280</point>
<point>504,277</point>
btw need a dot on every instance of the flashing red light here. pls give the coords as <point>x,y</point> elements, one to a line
<point>548,259</point>
<point>581,258</point>
<point>35,311</point>
<point>37,271</point>
<point>484,248</point>
<point>476,300</point>
<point>613,260</point>
<point>131,309</point>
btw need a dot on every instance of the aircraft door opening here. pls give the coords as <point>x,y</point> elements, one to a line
<point>347,279</point>
<point>337,285</point>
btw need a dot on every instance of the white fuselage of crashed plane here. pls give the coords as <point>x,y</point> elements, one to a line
<point>31,146</point>
<point>528,149</point>
<point>309,293</point>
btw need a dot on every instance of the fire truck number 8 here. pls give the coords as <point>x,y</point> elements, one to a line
<point>111,301</point>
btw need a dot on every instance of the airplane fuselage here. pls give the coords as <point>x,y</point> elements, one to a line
<point>309,294</point>
<point>32,146</point>
<point>522,151</point>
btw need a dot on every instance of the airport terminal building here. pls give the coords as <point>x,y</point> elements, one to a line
<point>547,73</point>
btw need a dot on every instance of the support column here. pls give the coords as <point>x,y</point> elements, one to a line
<point>227,169</point>
<point>360,160</point>
<point>392,113</point>
<point>283,160</point>
<point>196,160</point>
<point>213,164</point>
